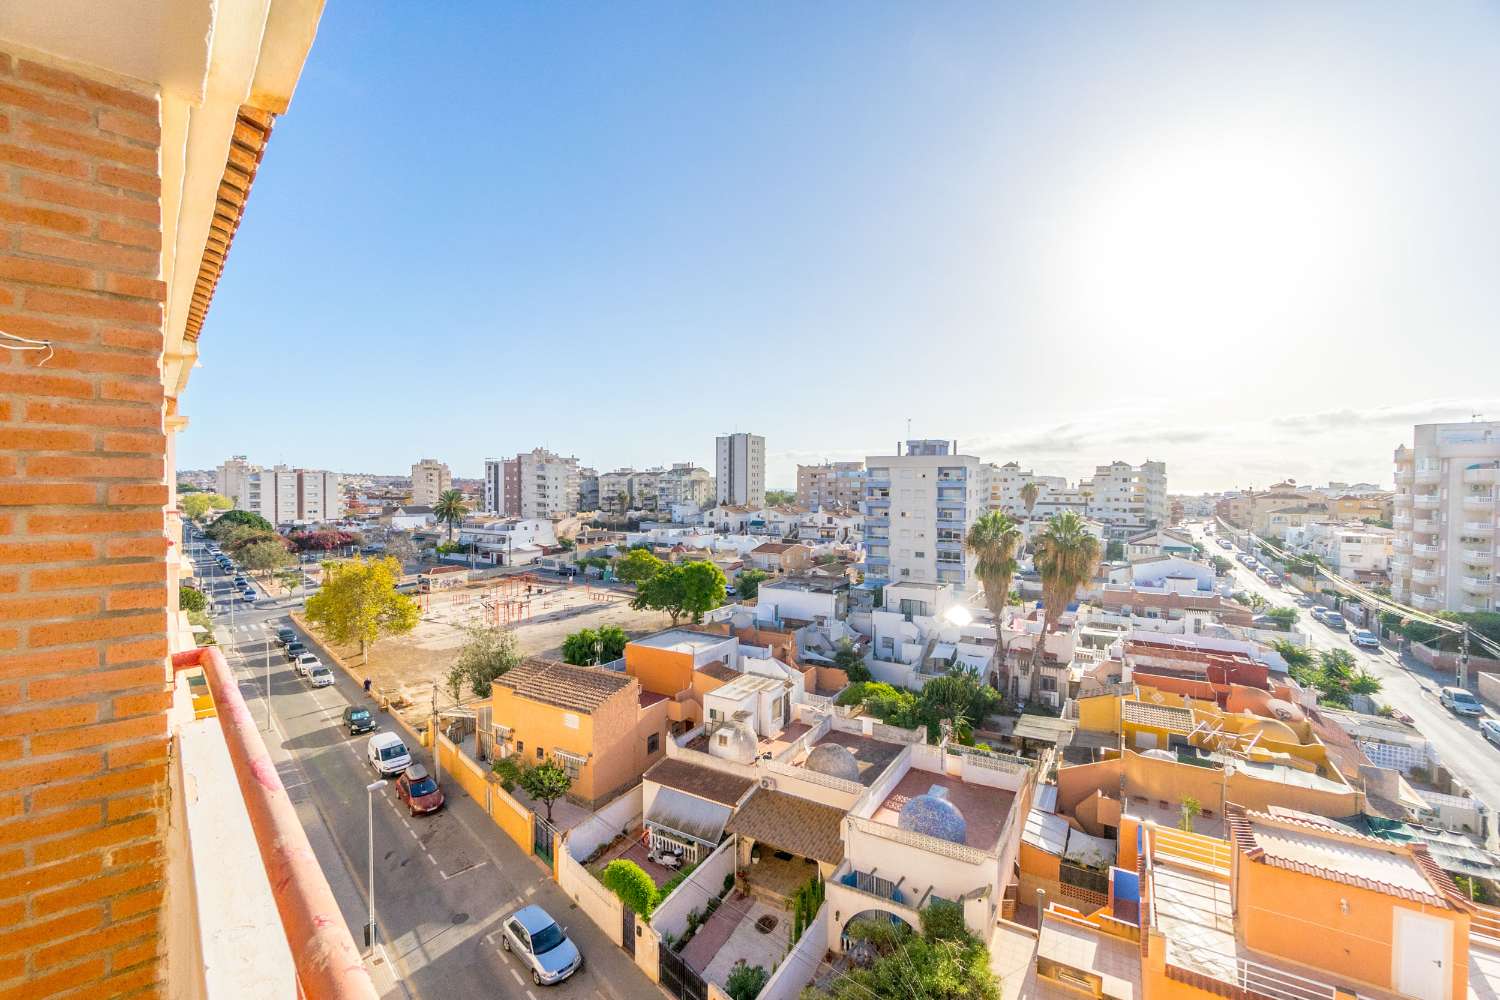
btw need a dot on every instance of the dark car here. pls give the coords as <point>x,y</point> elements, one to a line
<point>358,720</point>
<point>419,790</point>
<point>294,650</point>
<point>286,636</point>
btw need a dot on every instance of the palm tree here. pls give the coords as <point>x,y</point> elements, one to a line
<point>452,509</point>
<point>1029,493</point>
<point>993,539</point>
<point>1065,556</point>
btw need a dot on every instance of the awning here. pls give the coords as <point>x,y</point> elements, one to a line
<point>576,758</point>
<point>1044,727</point>
<point>689,816</point>
<point>1090,852</point>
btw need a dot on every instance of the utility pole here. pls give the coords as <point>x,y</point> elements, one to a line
<point>1463,657</point>
<point>437,756</point>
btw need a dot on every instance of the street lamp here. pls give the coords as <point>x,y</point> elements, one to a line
<point>370,791</point>
<point>265,638</point>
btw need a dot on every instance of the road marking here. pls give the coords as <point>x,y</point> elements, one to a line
<point>463,870</point>
<point>531,995</point>
<point>513,972</point>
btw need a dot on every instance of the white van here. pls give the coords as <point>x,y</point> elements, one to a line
<point>387,754</point>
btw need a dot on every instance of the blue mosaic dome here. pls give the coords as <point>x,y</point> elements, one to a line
<point>934,815</point>
<point>834,760</point>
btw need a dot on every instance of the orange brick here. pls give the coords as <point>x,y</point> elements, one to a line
<point>11,749</point>
<point>147,494</point>
<point>95,889</point>
<point>86,197</point>
<point>81,86</point>
<point>132,362</point>
<point>126,548</point>
<point>44,218</point>
<point>22,938</point>
<point>88,251</point>
<point>38,878</point>
<point>137,392</point>
<point>63,633</point>
<point>43,494</point>
<point>10,583</point>
<point>47,329</point>
<point>122,907</point>
<point>97,415</point>
<point>121,731</point>
<point>136,598</point>
<point>125,806</point>
<point>7,462</point>
<point>134,236</point>
<point>118,984</point>
<point>134,854</point>
<point>77,142</point>
<point>102,786</point>
<point>111,835</point>
<point>12,914</point>
<point>47,719</point>
<point>101,681</point>
<point>90,306</point>
<point>35,159</point>
<point>43,106</point>
<point>95,576</point>
<point>24,609</point>
<point>12,860</point>
<point>149,444</point>
<point>141,704</point>
<point>45,552</point>
<point>148,184</point>
<point>137,753</point>
<point>44,273</point>
<point>144,951</point>
<point>57,769</point>
<point>141,649</point>
<point>52,661</point>
<point>71,978</point>
<point>33,383</point>
<point>140,340</point>
<point>91,524</point>
<point>134,126</point>
<point>141,288</point>
<point>89,466</point>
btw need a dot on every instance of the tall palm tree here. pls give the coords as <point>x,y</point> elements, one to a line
<point>993,540</point>
<point>1066,556</point>
<point>1029,493</point>
<point>452,509</point>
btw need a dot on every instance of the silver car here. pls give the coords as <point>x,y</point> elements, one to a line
<point>533,936</point>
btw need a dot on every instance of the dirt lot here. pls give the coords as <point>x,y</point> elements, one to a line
<point>541,620</point>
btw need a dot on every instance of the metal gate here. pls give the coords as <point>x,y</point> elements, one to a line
<point>627,930</point>
<point>679,979</point>
<point>541,838</point>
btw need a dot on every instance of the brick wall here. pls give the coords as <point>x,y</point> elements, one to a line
<point>83,576</point>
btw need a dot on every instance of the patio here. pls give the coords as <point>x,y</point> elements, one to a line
<point>749,944</point>
<point>631,849</point>
<point>778,874</point>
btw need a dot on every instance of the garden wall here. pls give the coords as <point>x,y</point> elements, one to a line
<point>622,815</point>
<point>602,906</point>
<point>693,893</point>
<point>801,964</point>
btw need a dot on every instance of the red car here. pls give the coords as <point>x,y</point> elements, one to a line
<point>419,790</point>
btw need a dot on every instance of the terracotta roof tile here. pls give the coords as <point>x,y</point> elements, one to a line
<point>792,823</point>
<point>581,689</point>
<point>704,782</point>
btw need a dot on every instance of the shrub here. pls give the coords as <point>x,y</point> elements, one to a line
<point>509,772</point>
<point>628,880</point>
<point>943,921</point>
<point>745,982</point>
<point>191,598</point>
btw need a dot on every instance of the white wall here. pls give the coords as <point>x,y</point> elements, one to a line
<point>602,906</point>
<point>693,893</point>
<point>620,816</point>
<point>799,967</point>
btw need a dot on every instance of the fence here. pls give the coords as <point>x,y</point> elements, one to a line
<point>693,893</point>
<point>620,816</point>
<point>508,814</point>
<point>602,906</point>
<point>801,964</point>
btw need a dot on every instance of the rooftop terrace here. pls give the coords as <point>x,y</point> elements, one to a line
<point>681,640</point>
<point>984,808</point>
<point>872,756</point>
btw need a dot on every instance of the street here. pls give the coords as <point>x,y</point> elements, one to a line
<point>1408,685</point>
<point>443,883</point>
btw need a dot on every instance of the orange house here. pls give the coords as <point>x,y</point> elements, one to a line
<point>665,663</point>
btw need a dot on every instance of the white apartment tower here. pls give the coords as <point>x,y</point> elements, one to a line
<point>918,507</point>
<point>430,479</point>
<point>494,485</point>
<point>1444,552</point>
<point>1008,480</point>
<point>1128,498</point>
<point>548,484</point>
<point>282,495</point>
<point>740,464</point>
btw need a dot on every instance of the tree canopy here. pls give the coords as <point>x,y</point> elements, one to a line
<point>591,646</point>
<point>994,539</point>
<point>359,603</point>
<point>322,541</point>
<point>637,566</point>
<point>747,584</point>
<point>851,661</point>
<point>690,588</point>
<point>191,598</point>
<point>944,962</point>
<point>629,881</point>
<point>546,783</point>
<point>489,652</point>
<point>1066,557</point>
<point>231,518</point>
<point>196,505</point>
<point>774,497</point>
<point>451,509</point>
<point>264,555</point>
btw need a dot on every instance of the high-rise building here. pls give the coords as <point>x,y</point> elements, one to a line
<point>588,489</point>
<point>1127,498</point>
<point>1444,551</point>
<point>502,486</point>
<point>644,488</point>
<point>831,484</point>
<point>740,463</point>
<point>614,491</point>
<point>1008,481</point>
<point>546,484</point>
<point>281,495</point>
<point>684,482</point>
<point>430,479</point>
<point>918,507</point>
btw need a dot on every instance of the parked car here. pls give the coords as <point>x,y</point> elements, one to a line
<point>1303,601</point>
<point>294,650</point>
<point>1460,702</point>
<point>536,939</point>
<point>286,636</point>
<point>1334,620</point>
<point>419,790</point>
<point>1318,612</point>
<point>1225,543</point>
<point>387,754</point>
<point>1491,730</point>
<point>306,662</point>
<point>320,676</point>
<point>1365,639</point>
<point>358,720</point>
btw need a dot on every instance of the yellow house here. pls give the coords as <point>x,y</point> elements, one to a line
<point>597,723</point>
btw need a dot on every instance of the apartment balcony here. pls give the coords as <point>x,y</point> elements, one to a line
<point>1425,576</point>
<point>1400,562</point>
<point>1424,526</point>
<point>1401,544</point>
<point>1424,603</point>
<point>1479,527</point>
<point>1401,521</point>
<point>275,928</point>
<point>1425,551</point>
<point>1479,501</point>
<point>1478,584</point>
<point>1405,477</point>
<point>1402,500</point>
<point>1483,476</point>
<point>1426,501</point>
<point>1479,557</point>
<point>1428,474</point>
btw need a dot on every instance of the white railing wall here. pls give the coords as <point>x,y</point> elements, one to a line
<point>602,906</point>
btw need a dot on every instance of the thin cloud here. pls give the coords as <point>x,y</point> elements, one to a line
<point>1428,411</point>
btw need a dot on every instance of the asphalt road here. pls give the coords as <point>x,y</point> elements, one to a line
<point>443,883</point>
<point>1407,684</point>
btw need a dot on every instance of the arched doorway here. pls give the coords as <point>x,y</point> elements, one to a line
<point>873,931</point>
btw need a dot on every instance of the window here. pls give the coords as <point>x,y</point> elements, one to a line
<point>520,746</point>
<point>539,753</point>
<point>653,743</point>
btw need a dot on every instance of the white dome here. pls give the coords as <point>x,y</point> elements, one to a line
<point>734,741</point>
<point>834,760</point>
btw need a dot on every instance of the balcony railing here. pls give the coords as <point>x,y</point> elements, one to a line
<point>1486,474</point>
<point>1426,501</point>
<point>1426,551</point>
<point>1426,576</point>
<point>1480,557</point>
<point>328,964</point>
<point>1480,527</point>
<point>1479,501</point>
<point>1424,526</point>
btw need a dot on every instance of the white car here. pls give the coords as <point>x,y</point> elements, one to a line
<point>320,676</point>
<point>387,754</point>
<point>306,662</point>
<point>1490,729</point>
<point>1460,702</point>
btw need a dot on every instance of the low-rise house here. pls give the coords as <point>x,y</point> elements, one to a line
<point>1160,542</point>
<point>598,724</point>
<point>799,600</point>
<point>688,805</point>
<point>780,557</point>
<point>509,541</point>
<point>441,578</point>
<point>407,518</point>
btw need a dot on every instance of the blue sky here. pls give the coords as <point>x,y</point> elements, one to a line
<point>1250,240</point>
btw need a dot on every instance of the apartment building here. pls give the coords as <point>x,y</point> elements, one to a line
<point>684,483</point>
<point>1444,551</point>
<point>1128,498</point>
<point>1008,480</point>
<point>502,486</point>
<point>588,489</point>
<point>831,484</point>
<point>430,479</point>
<point>280,494</point>
<point>919,504</point>
<point>1350,548</point>
<point>614,491</point>
<point>740,469</point>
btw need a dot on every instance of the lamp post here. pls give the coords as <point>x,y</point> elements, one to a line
<point>265,638</point>
<point>370,791</point>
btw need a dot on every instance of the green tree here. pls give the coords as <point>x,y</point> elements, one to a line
<point>637,566</point>
<point>359,603</point>
<point>451,509</point>
<point>1029,494</point>
<point>191,598</point>
<point>690,588</point>
<point>546,783</point>
<point>489,652</point>
<point>908,965</point>
<point>1114,552</point>
<point>290,579</point>
<point>747,585</point>
<point>265,555</point>
<point>580,648</point>
<point>1221,565</point>
<point>774,497</point>
<point>960,698</point>
<point>993,540</point>
<point>400,547</point>
<point>195,505</point>
<point>943,920</point>
<point>629,881</point>
<point>1284,618</point>
<point>454,681</point>
<point>1191,810</point>
<point>1295,656</point>
<point>1066,556</point>
<point>231,518</point>
<point>746,981</point>
<point>851,661</point>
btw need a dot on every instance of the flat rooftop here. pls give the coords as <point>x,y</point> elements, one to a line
<point>873,756</point>
<point>984,808</point>
<point>681,640</point>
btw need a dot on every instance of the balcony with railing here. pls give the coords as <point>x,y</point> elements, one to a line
<point>1424,576</point>
<point>1479,501</point>
<point>274,929</point>
<point>1401,500</point>
<point>1427,474</point>
<point>1482,475</point>
<point>1424,526</point>
<point>1424,602</point>
<point>1480,527</point>
<point>1424,551</point>
<point>1402,544</point>
<point>1426,501</point>
<point>1478,584</point>
<point>1479,557</point>
<point>1405,477</point>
